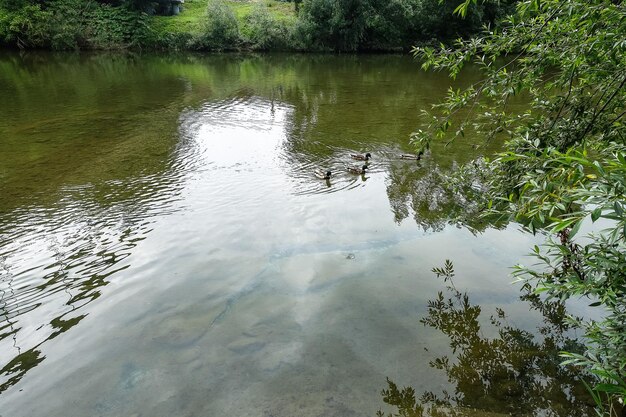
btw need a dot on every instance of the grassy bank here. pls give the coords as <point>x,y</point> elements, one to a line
<point>228,25</point>
<point>192,18</point>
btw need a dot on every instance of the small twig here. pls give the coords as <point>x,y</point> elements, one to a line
<point>597,114</point>
<point>569,92</point>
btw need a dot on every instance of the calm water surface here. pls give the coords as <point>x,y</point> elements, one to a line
<point>165,249</point>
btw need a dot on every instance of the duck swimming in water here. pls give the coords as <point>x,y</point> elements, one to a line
<point>412,156</point>
<point>357,170</point>
<point>361,157</point>
<point>321,175</point>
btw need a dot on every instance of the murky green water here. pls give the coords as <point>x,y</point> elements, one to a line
<point>165,248</point>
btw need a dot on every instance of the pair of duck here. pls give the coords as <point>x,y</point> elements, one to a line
<point>368,155</point>
<point>361,171</point>
<point>352,170</point>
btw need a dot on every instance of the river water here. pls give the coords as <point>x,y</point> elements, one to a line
<point>166,249</point>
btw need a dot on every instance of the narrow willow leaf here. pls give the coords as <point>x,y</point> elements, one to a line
<point>618,208</point>
<point>595,215</point>
<point>609,388</point>
<point>576,228</point>
<point>562,225</point>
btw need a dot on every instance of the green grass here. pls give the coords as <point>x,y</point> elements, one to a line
<point>191,17</point>
<point>280,9</point>
<point>188,20</point>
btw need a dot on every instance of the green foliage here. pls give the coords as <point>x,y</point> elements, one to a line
<point>340,25</point>
<point>332,24</point>
<point>221,29</point>
<point>392,25</point>
<point>139,5</point>
<point>116,27</point>
<point>262,30</point>
<point>349,25</point>
<point>438,21</point>
<point>571,189</point>
<point>26,27</point>
<point>72,24</point>
<point>564,163</point>
<point>67,23</point>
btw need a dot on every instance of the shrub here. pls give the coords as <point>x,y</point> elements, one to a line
<point>332,24</point>
<point>221,30</point>
<point>72,24</point>
<point>68,23</point>
<point>263,31</point>
<point>27,27</point>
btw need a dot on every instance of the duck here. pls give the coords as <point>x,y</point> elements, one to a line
<point>321,175</point>
<point>357,170</point>
<point>412,156</point>
<point>361,157</point>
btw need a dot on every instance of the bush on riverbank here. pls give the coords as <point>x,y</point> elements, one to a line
<point>262,30</point>
<point>349,25</point>
<point>73,24</point>
<point>353,25</point>
<point>221,28</point>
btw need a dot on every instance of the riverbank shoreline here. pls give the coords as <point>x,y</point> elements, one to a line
<point>231,25</point>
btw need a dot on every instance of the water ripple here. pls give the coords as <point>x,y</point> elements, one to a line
<point>302,165</point>
<point>55,259</point>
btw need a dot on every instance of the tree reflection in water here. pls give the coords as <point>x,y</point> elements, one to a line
<point>516,373</point>
<point>437,196</point>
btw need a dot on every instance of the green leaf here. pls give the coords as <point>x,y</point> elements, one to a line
<point>562,225</point>
<point>609,388</point>
<point>595,215</point>
<point>576,228</point>
<point>618,208</point>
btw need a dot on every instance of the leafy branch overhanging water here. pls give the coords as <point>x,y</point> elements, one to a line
<point>564,162</point>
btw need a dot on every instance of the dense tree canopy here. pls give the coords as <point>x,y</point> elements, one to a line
<point>71,24</point>
<point>381,24</point>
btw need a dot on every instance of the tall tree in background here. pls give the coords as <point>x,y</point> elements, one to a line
<point>349,25</point>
